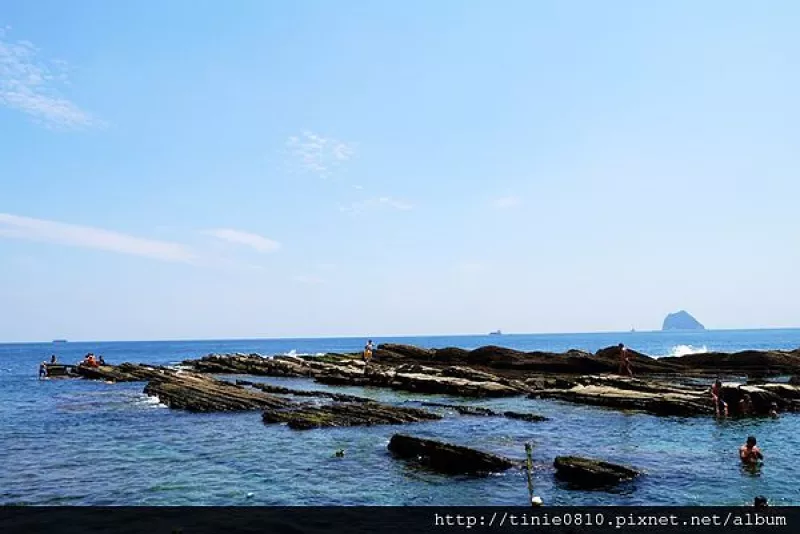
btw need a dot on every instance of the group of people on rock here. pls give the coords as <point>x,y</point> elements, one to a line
<point>90,360</point>
<point>744,407</point>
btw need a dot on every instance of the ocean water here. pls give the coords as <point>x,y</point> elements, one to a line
<point>78,442</point>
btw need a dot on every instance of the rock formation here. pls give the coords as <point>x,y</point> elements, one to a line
<point>681,320</point>
<point>447,458</point>
<point>588,473</point>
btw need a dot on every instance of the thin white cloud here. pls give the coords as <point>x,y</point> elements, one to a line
<point>255,241</point>
<point>506,202</point>
<point>30,84</point>
<point>308,279</point>
<point>318,155</point>
<point>376,203</point>
<point>30,229</point>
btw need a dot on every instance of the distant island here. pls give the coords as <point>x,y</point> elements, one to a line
<point>681,320</point>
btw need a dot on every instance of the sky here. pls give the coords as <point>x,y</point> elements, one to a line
<point>193,170</point>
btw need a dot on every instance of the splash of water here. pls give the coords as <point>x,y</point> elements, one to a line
<point>683,350</point>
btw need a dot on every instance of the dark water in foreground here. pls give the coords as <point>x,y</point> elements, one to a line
<point>76,442</point>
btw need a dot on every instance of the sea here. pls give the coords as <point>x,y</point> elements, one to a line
<point>80,442</point>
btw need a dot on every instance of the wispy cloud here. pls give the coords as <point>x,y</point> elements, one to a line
<point>376,203</point>
<point>30,84</point>
<point>255,241</point>
<point>27,228</point>
<point>318,155</point>
<point>308,279</point>
<point>506,202</point>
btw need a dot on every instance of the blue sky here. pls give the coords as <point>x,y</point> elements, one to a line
<point>174,170</point>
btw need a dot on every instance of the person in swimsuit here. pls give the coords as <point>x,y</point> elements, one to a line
<point>368,351</point>
<point>749,453</point>
<point>720,406</point>
<point>746,405</point>
<point>773,410</point>
<point>624,361</point>
<point>43,370</point>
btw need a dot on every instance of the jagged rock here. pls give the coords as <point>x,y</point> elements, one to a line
<point>530,417</point>
<point>346,414</point>
<point>588,473</point>
<point>755,362</point>
<point>199,393</point>
<point>126,372</point>
<point>795,380</point>
<point>681,320</point>
<point>445,457</point>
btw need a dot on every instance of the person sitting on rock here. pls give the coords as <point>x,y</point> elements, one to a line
<point>746,405</point>
<point>53,358</point>
<point>101,360</point>
<point>773,410</point>
<point>624,361</point>
<point>720,406</point>
<point>749,453</point>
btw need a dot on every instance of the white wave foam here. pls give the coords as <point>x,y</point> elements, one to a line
<point>295,354</point>
<point>683,350</point>
<point>147,400</point>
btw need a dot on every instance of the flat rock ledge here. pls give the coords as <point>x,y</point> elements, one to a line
<point>200,393</point>
<point>345,415</point>
<point>589,473</point>
<point>447,458</point>
<point>480,411</point>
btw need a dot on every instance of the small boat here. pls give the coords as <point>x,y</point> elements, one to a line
<point>496,333</point>
<point>59,341</point>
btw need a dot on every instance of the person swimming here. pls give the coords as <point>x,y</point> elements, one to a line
<point>720,406</point>
<point>760,502</point>
<point>746,405</point>
<point>749,453</point>
<point>773,410</point>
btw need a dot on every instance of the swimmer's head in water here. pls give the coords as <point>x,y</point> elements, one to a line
<point>760,501</point>
<point>751,441</point>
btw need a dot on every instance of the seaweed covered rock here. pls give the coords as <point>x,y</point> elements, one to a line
<point>445,457</point>
<point>529,417</point>
<point>589,473</point>
<point>345,414</point>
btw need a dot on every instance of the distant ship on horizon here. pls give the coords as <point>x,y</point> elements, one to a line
<point>59,341</point>
<point>496,333</point>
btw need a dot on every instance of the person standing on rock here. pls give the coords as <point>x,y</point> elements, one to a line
<point>368,351</point>
<point>720,406</point>
<point>624,361</point>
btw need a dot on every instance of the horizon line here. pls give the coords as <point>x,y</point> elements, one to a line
<point>402,336</point>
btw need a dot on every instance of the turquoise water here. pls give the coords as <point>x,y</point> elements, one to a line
<point>77,442</point>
